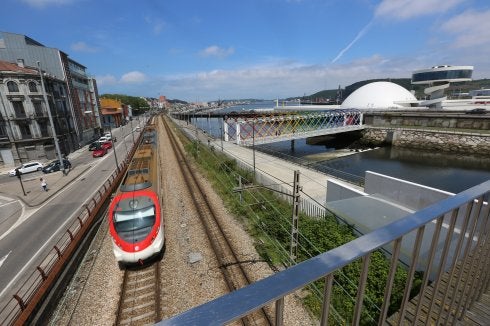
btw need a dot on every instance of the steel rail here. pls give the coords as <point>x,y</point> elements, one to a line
<point>231,267</point>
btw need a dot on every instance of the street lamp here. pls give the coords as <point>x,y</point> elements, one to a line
<point>132,130</point>
<point>113,146</point>
<point>253,142</point>
<point>57,146</point>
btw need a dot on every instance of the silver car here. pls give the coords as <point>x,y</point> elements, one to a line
<point>27,168</point>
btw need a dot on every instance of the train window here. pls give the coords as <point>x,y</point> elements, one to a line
<point>121,216</point>
<point>125,221</point>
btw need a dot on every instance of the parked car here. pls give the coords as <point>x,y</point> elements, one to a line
<point>477,111</point>
<point>104,138</point>
<point>99,152</point>
<point>55,166</point>
<point>94,145</point>
<point>106,144</point>
<point>27,168</point>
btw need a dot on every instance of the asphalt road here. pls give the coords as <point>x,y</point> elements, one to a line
<point>27,234</point>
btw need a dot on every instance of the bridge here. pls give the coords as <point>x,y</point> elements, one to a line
<point>254,130</point>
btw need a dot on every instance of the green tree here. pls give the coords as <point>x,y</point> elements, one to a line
<point>138,104</point>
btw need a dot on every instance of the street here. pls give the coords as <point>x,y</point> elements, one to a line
<point>30,225</point>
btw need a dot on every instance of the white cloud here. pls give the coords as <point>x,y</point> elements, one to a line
<point>216,51</point>
<point>133,77</point>
<point>408,9</point>
<point>83,47</point>
<point>270,81</point>
<point>45,3</point>
<point>106,80</point>
<point>469,29</point>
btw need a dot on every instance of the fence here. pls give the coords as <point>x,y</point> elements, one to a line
<point>452,293</point>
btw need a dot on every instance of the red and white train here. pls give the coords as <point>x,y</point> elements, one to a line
<point>135,216</point>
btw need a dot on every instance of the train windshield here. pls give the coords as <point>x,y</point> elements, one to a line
<point>136,219</point>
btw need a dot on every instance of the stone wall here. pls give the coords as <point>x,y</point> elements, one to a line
<point>428,120</point>
<point>450,141</point>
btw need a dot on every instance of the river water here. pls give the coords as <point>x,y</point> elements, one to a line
<point>445,171</point>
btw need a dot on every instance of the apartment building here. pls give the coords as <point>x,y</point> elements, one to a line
<point>80,96</point>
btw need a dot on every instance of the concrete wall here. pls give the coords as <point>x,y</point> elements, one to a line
<point>409,194</point>
<point>341,190</point>
<point>427,120</point>
<point>454,142</point>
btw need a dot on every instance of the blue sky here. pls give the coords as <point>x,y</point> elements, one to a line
<point>204,50</point>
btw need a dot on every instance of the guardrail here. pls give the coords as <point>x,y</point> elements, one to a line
<point>450,239</point>
<point>26,299</point>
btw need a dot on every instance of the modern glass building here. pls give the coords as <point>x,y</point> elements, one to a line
<point>442,74</point>
<point>438,79</point>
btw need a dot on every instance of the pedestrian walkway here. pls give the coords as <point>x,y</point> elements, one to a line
<point>34,195</point>
<point>313,183</point>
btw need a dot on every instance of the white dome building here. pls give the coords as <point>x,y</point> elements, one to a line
<point>379,95</point>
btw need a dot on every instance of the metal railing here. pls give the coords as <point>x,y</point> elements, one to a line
<point>450,246</point>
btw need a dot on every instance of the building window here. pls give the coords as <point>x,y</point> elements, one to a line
<point>38,108</point>
<point>12,86</point>
<point>25,131</point>
<point>3,131</point>
<point>32,87</point>
<point>19,109</point>
<point>43,126</point>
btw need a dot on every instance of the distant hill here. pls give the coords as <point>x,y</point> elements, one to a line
<point>455,88</point>
<point>404,82</point>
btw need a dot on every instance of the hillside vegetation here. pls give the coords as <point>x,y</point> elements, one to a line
<point>455,88</point>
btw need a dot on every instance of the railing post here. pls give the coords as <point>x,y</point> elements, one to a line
<point>280,312</point>
<point>327,292</point>
<point>361,289</point>
<point>225,130</point>
<point>20,301</point>
<point>237,133</point>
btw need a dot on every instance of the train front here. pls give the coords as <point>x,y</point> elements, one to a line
<point>135,226</point>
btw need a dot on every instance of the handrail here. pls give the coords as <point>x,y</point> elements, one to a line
<point>464,221</point>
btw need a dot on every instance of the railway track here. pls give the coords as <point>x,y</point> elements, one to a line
<point>231,267</point>
<point>140,296</point>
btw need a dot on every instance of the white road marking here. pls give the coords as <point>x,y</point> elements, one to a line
<point>63,226</point>
<point>4,258</point>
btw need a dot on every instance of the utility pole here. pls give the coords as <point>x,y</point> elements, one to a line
<point>293,253</point>
<point>19,175</point>
<point>57,146</point>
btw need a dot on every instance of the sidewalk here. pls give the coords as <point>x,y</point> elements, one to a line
<point>32,185</point>
<point>279,171</point>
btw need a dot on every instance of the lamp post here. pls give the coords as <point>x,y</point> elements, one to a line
<point>113,147</point>
<point>132,130</point>
<point>57,146</point>
<point>253,142</point>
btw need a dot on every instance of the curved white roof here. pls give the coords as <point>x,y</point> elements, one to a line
<point>379,95</point>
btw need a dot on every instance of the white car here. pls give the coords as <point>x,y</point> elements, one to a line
<point>27,168</point>
<point>104,138</point>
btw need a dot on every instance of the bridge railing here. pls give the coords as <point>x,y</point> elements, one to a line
<point>272,128</point>
<point>459,250</point>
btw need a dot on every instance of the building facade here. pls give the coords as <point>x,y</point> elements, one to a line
<point>25,129</point>
<point>81,90</point>
<point>113,113</point>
